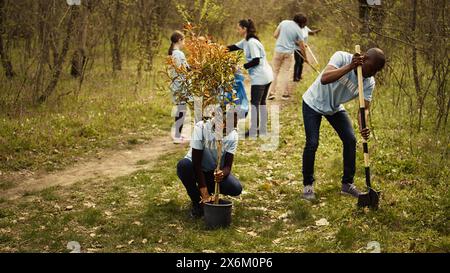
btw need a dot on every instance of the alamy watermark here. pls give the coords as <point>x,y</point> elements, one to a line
<point>234,118</point>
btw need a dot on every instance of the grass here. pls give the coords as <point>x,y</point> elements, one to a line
<point>108,112</point>
<point>148,210</point>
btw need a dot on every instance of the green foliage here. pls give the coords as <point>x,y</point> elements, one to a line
<point>210,75</point>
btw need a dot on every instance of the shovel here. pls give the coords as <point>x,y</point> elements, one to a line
<point>217,186</point>
<point>372,197</point>
<point>304,59</point>
<point>312,54</point>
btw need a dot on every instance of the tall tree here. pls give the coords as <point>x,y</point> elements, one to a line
<point>116,29</point>
<point>6,61</point>
<point>79,56</point>
<point>56,73</point>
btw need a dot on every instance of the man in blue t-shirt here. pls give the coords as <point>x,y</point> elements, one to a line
<point>289,37</point>
<point>336,85</point>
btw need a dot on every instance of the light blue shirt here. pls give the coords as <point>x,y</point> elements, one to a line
<point>328,99</point>
<point>203,138</point>
<point>177,84</point>
<point>290,33</point>
<point>261,74</point>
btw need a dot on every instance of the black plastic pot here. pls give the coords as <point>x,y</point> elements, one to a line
<point>218,215</point>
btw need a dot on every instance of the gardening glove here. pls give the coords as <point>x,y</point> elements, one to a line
<point>365,133</point>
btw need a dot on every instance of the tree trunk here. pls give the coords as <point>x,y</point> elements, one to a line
<point>115,40</point>
<point>6,62</point>
<point>61,56</point>
<point>364,11</point>
<point>420,99</point>
<point>79,56</point>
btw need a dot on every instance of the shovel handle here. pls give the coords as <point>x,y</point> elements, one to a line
<point>216,186</point>
<point>362,112</point>
<point>312,54</point>
<point>304,59</point>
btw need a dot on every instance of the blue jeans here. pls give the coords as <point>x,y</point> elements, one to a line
<point>343,126</point>
<point>185,171</point>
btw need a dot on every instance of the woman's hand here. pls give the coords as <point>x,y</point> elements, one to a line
<point>218,176</point>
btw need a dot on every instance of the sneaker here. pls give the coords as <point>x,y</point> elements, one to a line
<point>351,190</point>
<point>179,140</point>
<point>308,192</point>
<point>197,211</point>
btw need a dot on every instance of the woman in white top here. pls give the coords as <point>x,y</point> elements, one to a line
<point>260,72</point>
<point>179,59</point>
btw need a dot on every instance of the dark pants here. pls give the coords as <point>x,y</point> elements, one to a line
<point>298,67</point>
<point>259,114</point>
<point>343,126</point>
<point>179,119</point>
<point>185,171</point>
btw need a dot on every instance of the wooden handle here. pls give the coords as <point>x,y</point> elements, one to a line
<point>301,55</point>
<point>362,112</point>
<point>219,157</point>
<point>360,81</point>
<point>312,54</point>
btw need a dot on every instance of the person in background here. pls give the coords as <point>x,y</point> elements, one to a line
<point>289,36</point>
<point>298,67</point>
<point>179,59</point>
<point>260,72</point>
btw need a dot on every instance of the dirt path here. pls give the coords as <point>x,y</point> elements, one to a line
<point>113,164</point>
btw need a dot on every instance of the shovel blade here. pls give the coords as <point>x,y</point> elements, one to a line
<point>370,199</point>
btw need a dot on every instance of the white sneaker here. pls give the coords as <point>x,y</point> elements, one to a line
<point>179,140</point>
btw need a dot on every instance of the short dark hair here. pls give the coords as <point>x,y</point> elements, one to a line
<point>379,58</point>
<point>300,19</point>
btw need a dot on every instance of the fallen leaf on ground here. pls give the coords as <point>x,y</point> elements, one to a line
<point>276,241</point>
<point>322,222</point>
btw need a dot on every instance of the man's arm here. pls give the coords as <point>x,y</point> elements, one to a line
<point>276,34</point>
<point>228,163</point>
<point>332,74</point>
<point>197,156</point>
<point>314,32</point>
<point>301,44</point>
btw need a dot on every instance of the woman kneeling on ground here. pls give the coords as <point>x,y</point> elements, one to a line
<point>197,169</point>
